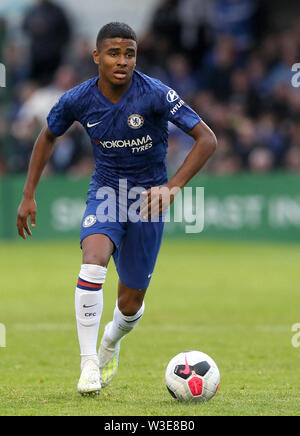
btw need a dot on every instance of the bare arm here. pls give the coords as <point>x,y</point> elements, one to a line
<point>159,198</point>
<point>41,154</point>
<point>204,147</point>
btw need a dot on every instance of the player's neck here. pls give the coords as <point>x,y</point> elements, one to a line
<point>114,93</point>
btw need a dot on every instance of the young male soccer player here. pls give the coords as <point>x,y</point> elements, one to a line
<point>126,115</point>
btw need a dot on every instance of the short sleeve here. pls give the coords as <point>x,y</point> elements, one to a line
<point>177,111</point>
<point>60,117</point>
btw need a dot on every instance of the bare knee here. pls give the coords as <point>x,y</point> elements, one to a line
<point>129,306</point>
<point>97,250</point>
<point>94,259</point>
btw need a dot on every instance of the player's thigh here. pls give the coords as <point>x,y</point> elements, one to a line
<point>97,249</point>
<point>99,238</point>
<point>136,257</point>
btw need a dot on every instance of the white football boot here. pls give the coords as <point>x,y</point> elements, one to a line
<point>108,359</point>
<point>89,382</point>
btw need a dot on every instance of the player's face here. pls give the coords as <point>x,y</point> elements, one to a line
<point>116,59</point>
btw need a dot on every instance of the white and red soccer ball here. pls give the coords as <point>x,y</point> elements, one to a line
<point>192,376</point>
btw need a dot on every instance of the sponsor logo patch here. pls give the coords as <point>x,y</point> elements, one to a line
<point>177,107</point>
<point>172,96</point>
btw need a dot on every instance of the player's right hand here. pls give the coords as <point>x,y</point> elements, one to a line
<point>27,208</point>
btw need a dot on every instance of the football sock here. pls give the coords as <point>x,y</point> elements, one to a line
<point>88,308</point>
<point>122,324</point>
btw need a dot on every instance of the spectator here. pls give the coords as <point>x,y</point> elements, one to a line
<point>195,29</point>
<point>82,61</point>
<point>257,72</point>
<point>2,35</point>
<point>270,136</point>
<point>240,87</point>
<point>219,67</point>
<point>179,75</point>
<point>17,68</point>
<point>260,160</point>
<point>225,161</point>
<point>48,30</point>
<point>2,151</point>
<point>282,73</point>
<point>292,162</point>
<point>238,19</point>
<point>21,141</point>
<point>245,141</point>
<point>30,115</point>
<point>165,24</point>
<point>72,152</point>
<point>43,99</point>
<point>242,92</point>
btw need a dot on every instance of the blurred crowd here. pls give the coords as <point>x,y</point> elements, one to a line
<point>224,57</point>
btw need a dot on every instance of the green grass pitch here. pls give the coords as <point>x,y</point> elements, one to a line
<point>234,301</point>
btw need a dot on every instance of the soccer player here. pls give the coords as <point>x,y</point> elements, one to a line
<point>126,115</point>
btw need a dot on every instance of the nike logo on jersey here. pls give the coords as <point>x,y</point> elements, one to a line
<point>89,125</point>
<point>87,307</point>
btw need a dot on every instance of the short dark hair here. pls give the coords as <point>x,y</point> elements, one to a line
<point>115,30</point>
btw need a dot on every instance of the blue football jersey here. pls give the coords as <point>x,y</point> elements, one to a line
<point>129,138</point>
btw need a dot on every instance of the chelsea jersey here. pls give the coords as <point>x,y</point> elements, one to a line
<point>130,137</point>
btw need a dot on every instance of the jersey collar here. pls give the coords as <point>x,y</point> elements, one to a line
<point>105,100</point>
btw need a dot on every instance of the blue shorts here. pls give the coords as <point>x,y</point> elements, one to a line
<point>137,245</point>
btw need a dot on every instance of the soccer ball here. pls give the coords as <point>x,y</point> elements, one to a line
<point>192,376</point>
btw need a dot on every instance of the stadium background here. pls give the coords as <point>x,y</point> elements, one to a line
<point>231,61</point>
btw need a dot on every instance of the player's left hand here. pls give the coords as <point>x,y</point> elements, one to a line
<point>157,200</point>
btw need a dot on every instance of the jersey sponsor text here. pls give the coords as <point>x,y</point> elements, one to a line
<point>177,107</point>
<point>136,145</point>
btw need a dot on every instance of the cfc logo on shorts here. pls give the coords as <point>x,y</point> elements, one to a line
<point>135,121</point>
<point>89,221</point>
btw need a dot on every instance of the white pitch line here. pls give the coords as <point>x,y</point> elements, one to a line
<point>42,327</point>
<point>268,328</point>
